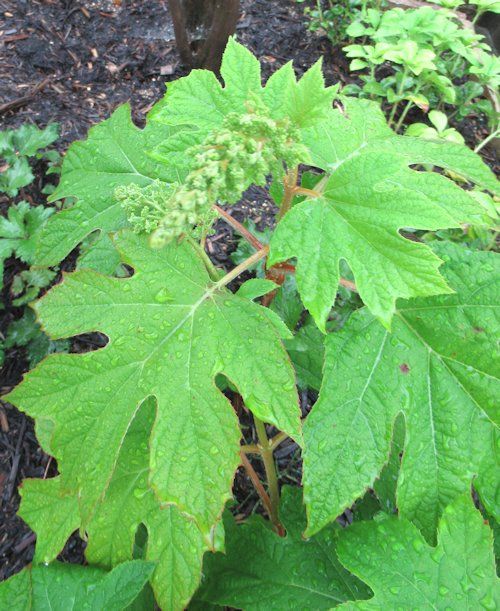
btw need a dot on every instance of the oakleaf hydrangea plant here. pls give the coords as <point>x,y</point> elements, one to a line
<point>146,439</point>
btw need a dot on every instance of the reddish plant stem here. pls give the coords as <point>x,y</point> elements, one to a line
<point>264,497</point>
<point>241,229</point>
<point>290,184</point>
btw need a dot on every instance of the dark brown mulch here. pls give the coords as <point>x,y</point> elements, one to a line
<point>96,55</point>
<point>74,62</point>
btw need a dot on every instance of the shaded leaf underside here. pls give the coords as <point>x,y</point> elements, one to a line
<point>277,572</point>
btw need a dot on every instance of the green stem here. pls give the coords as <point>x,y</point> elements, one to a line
<point>320,10</point>
<point>393,113</point>
<point>399,93</point>
<point>476,17</point>
<point>406,110</point>
<point>372,77</point>
<point>456,63</point>
<point>489,138</point>
<point>234,273</point>
<point>272,477</point>
<point>211,269</point>
<point>277,439</point>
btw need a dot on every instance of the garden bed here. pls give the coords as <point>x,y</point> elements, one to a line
<point>80,61</point>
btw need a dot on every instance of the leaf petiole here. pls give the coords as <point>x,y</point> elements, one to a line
<point>254,478</point>
<point>234,273</point>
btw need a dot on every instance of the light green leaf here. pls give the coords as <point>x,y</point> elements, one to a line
<point>404,572</point>
<point>52,515</point>
<point>256,287</point>
<point>19,230</point>
<point>174,544</point>
<point>29,139</point>
<point>261,571</point>
<point>171,332</point>
<point>196,100</point>
<point>487,482</point>
<point>99,254</point>
<point>113,154</point>
<point>17,175</point>
<point>201,101</point>
<point>307,352</point>
<point>346,133</point>
<point>59,587</point>
<point>371,195</point>
<point>440,368</point>
<point>306,102</point>
<point>386,484</point>
<point>240,71</point>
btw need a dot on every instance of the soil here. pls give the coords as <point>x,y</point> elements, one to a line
<point>73,62</point>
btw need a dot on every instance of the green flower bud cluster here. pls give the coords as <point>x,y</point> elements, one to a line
<point>246,150</point>
<point>145,206</point>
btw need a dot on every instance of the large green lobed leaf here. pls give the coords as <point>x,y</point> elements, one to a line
<point>175,544</point>
<point>370,196</point>
<point>440,368</point>
<point>171,331</point>
<point>114,154</point>
<point>261,571</point>
<point>404,572</point>
<point>201,102</point>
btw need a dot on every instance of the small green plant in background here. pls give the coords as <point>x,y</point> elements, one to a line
<point>394,333</point>
<point>439,130</point>
<point>16,148</point>
<point>19,230</point>
<point>331,17</point>
<point>426,50</point>
<point>484,6</point>
<point>26,332</point>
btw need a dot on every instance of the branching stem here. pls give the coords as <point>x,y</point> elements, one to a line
<point>277,440</point>
<point>266,451</point>
<point>251,448</point>
<point>200,248</point>
<point>239,269</point>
